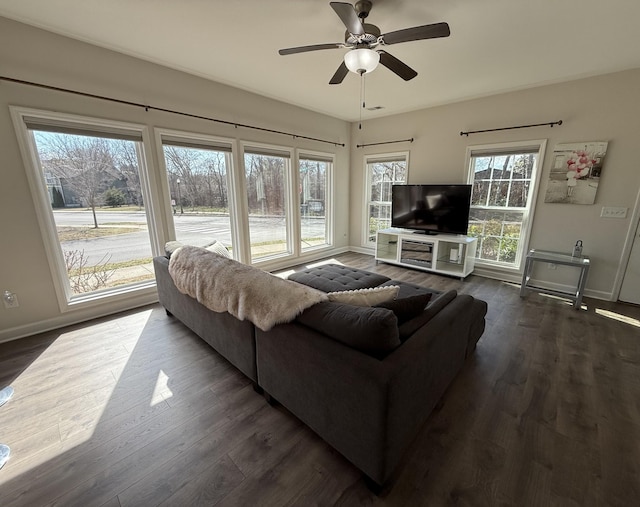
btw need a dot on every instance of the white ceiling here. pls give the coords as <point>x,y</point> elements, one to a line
<point>495,45</point>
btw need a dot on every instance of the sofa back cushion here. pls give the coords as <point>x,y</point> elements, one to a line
<point>368,329</point>
<point>437,304</point>
<point>406,308</point>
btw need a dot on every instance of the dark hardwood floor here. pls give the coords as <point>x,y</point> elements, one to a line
<point>135,410</point>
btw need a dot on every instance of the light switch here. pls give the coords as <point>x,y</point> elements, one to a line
<point>613,212</point>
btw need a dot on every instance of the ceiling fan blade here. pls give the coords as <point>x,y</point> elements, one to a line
<point>340,74</point>
<point>432,31</point>
<point>315,47</point>
<point>348,15</point>
<point>395,65</point>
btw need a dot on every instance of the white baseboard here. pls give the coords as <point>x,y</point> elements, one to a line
<point>70,318</point>
<point>363,250</point>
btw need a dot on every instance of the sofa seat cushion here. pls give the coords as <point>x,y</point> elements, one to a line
<point>334,278</point>
<point>368,329</point>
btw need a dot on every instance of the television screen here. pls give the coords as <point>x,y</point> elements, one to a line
<point>431,209</point>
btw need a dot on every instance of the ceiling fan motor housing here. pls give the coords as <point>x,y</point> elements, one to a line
<point>370,35</point>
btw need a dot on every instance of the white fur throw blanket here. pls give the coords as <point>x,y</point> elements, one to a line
<point>225,285</point>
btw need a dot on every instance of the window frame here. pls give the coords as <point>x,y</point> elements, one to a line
<point>537,146</point>
<point>206,142</point>
<point>37,183</point>
<point>329,158</point>
<point>291,218</point>
<point>369,159</point>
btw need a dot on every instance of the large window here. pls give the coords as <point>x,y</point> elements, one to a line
<point>382,173</point>
<point>505,179</point>
<point>198,170</point>
<point>89,182</point>
<point>314,177</point>
<point>267,182</point>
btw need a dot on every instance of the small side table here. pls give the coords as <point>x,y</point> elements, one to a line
<point>564,259</point>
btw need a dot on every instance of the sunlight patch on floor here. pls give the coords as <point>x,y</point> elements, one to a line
<point>39,396</point>
<point>562,300</point>
<point>285,274</point>
<point>619,317</point>
<point>161,391</point>
<point>324,262</point>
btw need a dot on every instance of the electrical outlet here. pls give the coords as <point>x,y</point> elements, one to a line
<point>613,212</point>
<point>10,299</point>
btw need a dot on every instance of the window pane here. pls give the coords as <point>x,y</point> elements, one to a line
<point>498,233</point>
<point>313,193</point>
<point>382,175</point>
<point>379,218</point>
<point>480,192</point>
<point>266,197</point>
<point>518,194</point>
<point>489,249</point>
<point>523,166</point>
<point>199,194</point>
<point>498,193</point>
<point>500,181</point>
<point>98,207</point>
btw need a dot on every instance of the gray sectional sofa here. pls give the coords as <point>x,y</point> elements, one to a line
<point>363,378</point>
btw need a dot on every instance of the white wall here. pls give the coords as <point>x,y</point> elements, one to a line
<point>603,108</point>
<point>31,54</point>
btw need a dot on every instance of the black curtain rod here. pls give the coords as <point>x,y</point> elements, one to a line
<point>385,142</point>
<point>548,124</point>
<point>164,110</point>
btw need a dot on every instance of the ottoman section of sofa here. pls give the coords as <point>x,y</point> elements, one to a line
<point>335,278</point>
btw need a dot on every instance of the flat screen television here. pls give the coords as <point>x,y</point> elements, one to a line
<point>431,209</point>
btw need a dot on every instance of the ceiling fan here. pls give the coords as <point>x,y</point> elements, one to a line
<point>362,39</point>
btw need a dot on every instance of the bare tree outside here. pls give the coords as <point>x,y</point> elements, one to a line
<point>126,166</point>
<point>202,174</point>
<point>83,163</point>
<point>266,196</point>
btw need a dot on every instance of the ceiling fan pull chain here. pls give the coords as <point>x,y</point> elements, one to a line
<point>362,99</point>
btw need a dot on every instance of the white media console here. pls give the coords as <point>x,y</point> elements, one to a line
<point>447,254</point>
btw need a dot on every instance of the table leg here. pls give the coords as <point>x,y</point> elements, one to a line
<point>581,284</point>
<point>525,276</point>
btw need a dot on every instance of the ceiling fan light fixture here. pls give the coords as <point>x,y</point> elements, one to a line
<point>361,60</point>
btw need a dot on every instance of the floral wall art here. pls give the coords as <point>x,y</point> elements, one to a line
<point>576,172</point>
